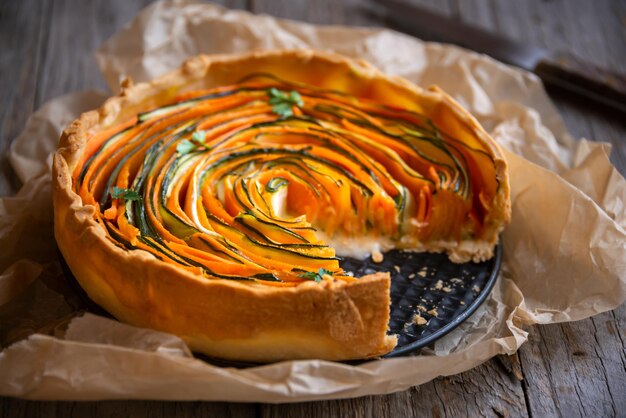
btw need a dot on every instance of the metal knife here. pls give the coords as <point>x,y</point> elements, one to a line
<point>561,70</point>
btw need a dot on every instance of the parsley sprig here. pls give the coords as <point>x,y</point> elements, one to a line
<point>283,102</point>
<point>311,275</point>
<point>198,139</point>
<point>126,194</point>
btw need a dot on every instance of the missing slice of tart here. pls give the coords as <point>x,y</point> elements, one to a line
<point>215,201</point>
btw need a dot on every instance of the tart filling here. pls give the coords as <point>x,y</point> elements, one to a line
<point>262,180</point>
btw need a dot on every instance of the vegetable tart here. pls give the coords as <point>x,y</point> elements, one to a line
<point>215,202</point>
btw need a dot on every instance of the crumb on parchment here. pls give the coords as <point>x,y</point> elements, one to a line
<point>419,320</point>
<point>377,256</point>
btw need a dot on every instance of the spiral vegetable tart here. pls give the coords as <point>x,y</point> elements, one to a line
<point>216,201</point>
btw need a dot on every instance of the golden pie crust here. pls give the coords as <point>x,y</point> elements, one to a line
<point>331,320</point>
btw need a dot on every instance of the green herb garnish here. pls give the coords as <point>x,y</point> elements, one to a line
<point>310,275</point>
<point>185,147</point>
<point>282,102</point>
<point>126,194</point>
<point>198,139</point>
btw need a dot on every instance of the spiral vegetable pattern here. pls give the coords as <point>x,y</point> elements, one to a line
<point>238,182</point>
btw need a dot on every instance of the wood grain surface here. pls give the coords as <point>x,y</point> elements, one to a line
<point>564,370</point>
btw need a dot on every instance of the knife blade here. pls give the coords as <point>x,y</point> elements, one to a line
<point>556,69</point>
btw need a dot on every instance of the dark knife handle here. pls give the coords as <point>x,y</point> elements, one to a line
<point>595,83</point>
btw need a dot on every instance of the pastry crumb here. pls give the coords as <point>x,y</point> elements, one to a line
<point>419,320</point>
<point>462,303</point>
<point>447,289</point>
<point>476,289</point>
<point>422,273</point>
<point>377,256</point>
<point>397,268</point>
<point>412,276</point>
<point>434,312</point>
<point>421,308</point>
<point>438,285</point>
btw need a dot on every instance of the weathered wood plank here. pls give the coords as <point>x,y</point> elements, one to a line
<point>15,408</point>
<point>488,390</point>
<point>565,374</point>
<point>568,29</point>
<point>23,27</point>
<point>609,332</point>
<point>484,391</point>
<point>591,30</point>
<point>77,29</point>
<point>442,7</point>
<point>477,13</point>
<point>324,12</point>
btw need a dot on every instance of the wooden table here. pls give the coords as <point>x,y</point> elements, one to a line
<point>572,369</point>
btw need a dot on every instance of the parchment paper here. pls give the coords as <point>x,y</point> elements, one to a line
<point>564,252</point>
